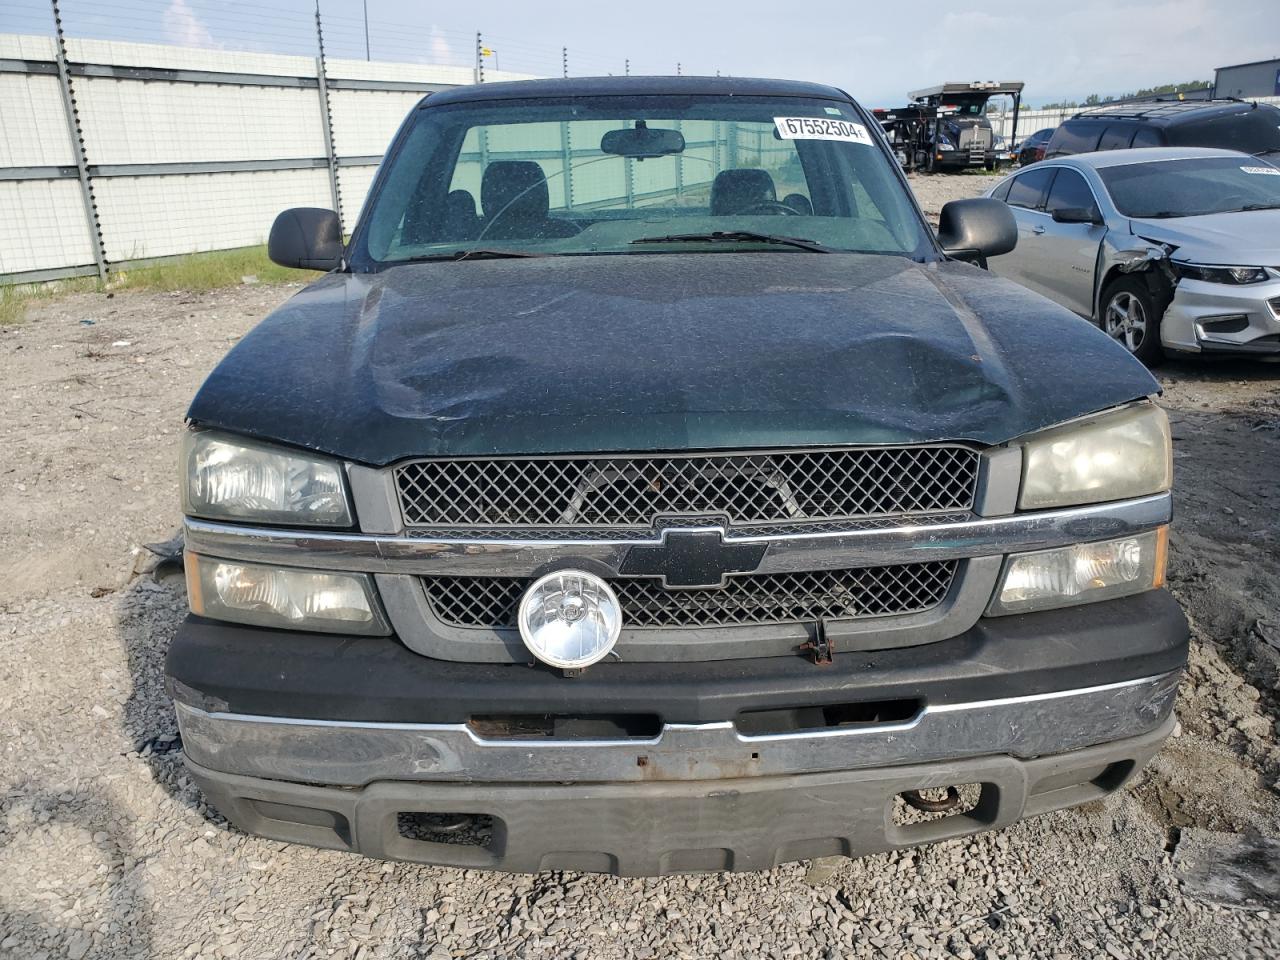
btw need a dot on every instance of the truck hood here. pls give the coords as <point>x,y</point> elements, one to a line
<point>661,352</point>
<point>1249,238</point>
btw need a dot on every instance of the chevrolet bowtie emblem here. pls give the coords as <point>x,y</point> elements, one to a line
<point>692,558</point>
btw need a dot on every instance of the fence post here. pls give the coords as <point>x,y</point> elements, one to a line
<point>77,144</point>
<point>327,121</point>
<point>564,61</point>
<point>479,59</point>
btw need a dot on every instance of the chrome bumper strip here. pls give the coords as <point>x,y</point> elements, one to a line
<point>347,753</point>
<point>826,549</point>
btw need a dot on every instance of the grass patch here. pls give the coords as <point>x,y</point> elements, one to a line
<point>207,271</point>
<point>15,298</point>
<point>195,272</point>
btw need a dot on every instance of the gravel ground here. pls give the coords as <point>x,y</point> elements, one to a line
<point>106,849</point>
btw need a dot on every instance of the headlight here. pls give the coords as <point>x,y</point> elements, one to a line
<point>944,146</point>
<point>1083,573</point>
<point>232,479</point>
<point>282,597</point>
<point>1127,453</point>
<point>1231,275</point>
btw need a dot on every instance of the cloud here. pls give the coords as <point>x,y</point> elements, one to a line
<point>441,51</point>
<point>183,27</point>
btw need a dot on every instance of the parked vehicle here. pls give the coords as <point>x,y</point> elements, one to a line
<point>1252,128</point>
<point>1032,148</point>
<point>945,127</point>
<point>685,505</point>
<point>1172,248</point>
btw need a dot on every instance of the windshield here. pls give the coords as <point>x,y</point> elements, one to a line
<point>966,106</point>
<point>637,174</point>
<point>1192,188</point>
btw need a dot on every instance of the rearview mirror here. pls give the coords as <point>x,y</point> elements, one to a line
<point>642,141</point>
<point>975,229</point>
<point>1076,215</point>
<point>309,238</point>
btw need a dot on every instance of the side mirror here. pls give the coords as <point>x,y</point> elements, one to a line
<point>976,229</point>
<point>1076,215</point>
<point>309,238</point>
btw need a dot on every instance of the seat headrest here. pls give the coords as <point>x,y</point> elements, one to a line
<point>515,189</point>
<point>738,189</point>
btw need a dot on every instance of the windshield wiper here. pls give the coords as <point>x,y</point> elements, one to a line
<point>738,236</point>
<point>479,254</point>
<point>1261,206</point>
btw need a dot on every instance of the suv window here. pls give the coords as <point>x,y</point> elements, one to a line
<point>1075,136</point>
<point>1118,136</point>
<point>1028,189</point>
<point>1002,191</point>
<point>1069,191</point>
<point>1148,136</point>
<point>1251,129</point>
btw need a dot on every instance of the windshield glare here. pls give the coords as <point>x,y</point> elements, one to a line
<point>1191,188</point>
<point>533,176</point>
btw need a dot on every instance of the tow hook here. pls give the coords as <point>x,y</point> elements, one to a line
<point>820,648</point>
<point>912,798</point>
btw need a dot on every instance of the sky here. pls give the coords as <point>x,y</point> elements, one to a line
<point>877,51</point>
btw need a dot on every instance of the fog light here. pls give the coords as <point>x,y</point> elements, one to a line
<point>570,619</point>
<point>1084,573</point>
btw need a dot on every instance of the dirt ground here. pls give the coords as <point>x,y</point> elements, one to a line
<point>106,849</point>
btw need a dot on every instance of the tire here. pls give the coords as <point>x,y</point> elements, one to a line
<point>1131,315</point>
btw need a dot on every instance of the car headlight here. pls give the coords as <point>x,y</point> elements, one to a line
<point>944,146</point>
<point>1233,275</point>
<point>1114,456</point>
<point>229,478</point>
<point>1082,573</point>
<point>267,596</point>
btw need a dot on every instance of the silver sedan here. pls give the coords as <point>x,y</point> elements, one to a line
<point>1165,249</point>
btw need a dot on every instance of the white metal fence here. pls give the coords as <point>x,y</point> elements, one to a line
<point>116,152</point>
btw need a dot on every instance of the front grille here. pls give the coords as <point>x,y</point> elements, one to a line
<point>631,491</point>
<point>754,599</point>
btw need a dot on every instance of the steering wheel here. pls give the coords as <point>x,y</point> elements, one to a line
<point>773,207</point>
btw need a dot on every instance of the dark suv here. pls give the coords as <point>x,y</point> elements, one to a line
<point>1227,124</point>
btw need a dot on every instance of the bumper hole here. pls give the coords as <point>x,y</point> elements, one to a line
<point>462,829</point>
<point>828,716</point>
<point>935,803</point>
<point>553,726</point>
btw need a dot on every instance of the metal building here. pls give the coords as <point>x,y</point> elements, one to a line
<point>1248,80</point>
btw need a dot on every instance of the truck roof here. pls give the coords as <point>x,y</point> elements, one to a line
<point>992,87</point>
<point>636,86</point>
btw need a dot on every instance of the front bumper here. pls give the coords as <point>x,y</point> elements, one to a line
<point>664,827</point>
<point>330,740</point>
<point>344,753</point>
<point>1219,318</point>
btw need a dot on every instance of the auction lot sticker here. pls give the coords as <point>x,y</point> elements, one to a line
<point>1262,171</point>
<point>821,128</point>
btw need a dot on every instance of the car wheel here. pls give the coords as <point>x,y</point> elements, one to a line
<point>1131,316</point>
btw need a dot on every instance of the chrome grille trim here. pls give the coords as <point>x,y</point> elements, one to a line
<point>908,542</point>
<point>747,600</point>
<point>632,491</point>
